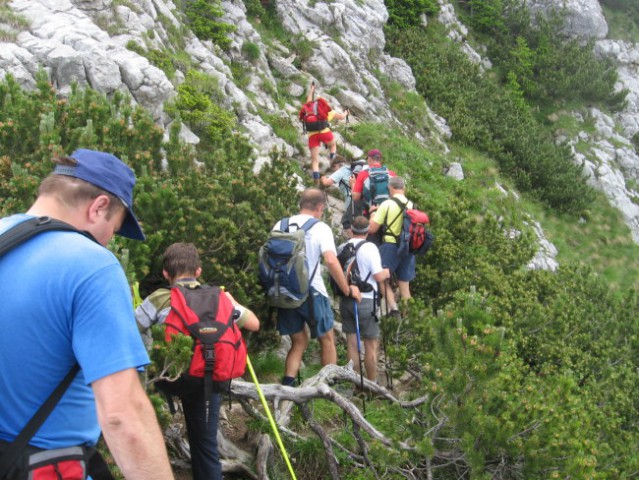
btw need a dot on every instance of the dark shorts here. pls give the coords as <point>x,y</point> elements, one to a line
<point>402,267</point>
<point>292,320</point>
<point>317,139</point>
<point>368,322</point>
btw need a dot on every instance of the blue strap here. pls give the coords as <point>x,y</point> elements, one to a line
<point>310,223</point>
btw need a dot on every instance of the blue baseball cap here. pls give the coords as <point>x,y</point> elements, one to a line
<point>109,173</point>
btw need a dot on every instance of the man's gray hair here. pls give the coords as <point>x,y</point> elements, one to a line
<point>397,183</point>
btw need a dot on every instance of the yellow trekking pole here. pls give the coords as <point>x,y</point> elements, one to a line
<point>270,418</point>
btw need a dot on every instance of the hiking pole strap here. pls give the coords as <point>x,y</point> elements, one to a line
<point>34,424</point>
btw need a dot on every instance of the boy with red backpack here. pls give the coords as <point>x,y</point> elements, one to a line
<point>182,267</point>
<point>316,116</point>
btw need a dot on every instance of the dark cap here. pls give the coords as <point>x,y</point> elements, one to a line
<point>374,153</point>
<point>109,173</point>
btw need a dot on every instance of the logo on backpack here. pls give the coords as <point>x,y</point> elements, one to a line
<point>283,267</point>
<point>219,353</point>
<point>314,115</point>
<point>376,186</point>
<point>414,238</point>
<point>347,256</point>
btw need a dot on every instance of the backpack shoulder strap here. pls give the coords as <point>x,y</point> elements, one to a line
<point>401,205</point>
<point>33,425</point>
<point>310,223</point>
<point>10,239</point>
<point>386,226</point>
<point>284,224</point>
<point>359,245</point>
<point>23,231</point>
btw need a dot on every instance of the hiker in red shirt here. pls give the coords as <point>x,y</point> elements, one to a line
<point>361,189</point>
<point>318,128</point>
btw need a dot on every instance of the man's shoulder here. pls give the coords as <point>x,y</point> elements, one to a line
<point>321,228</point>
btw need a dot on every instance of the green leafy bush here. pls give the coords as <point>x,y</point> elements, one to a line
<point>405,13</point>
<point>197,106</point>
<point>495,121</point>
<point>203,18</point>
<point>251,51</point>
<point>548,67</point>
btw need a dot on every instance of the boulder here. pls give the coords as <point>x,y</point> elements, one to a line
<point>584,18</point>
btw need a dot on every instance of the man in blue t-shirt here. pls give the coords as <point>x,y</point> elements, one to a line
<point>66,300</point>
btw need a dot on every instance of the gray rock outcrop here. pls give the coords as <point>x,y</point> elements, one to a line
<point>66,41</point>
<point>610,164</point>
<point>584,18</point>
<point>626,57</point>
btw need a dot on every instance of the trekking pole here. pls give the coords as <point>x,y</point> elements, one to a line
<point>270,418</point>
<point>389,375</point>
<point>359,354</point>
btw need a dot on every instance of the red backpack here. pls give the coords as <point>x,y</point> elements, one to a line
<point>414,238</point>
<point>314,115</point>
<point>219,352</point>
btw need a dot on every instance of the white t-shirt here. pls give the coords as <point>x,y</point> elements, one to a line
<point>369,261</point>
<point>319,240</point>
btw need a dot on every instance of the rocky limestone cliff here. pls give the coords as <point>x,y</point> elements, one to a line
<point>85,41</point>
<point>611,162</point>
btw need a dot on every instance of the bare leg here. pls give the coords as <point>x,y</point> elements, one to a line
<point>299,342</point>
<point>389,295</point>
<point>327,344</point>
<point>332,146</point>
<point>371,346</point>
<point>315,165</point>
<point>351,350</point>
<point>404,289</point>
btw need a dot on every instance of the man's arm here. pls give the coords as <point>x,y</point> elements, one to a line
<point>247,320</point>
<point>340,116</point>
<point>130,427</point>
<point>335,270</point>
<point>373,226</point>
<point>311,93</point>
<point>358,187</point>
<point>382,275</point>
<point>327,181</point>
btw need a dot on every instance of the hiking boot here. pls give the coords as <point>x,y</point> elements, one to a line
<point>396,314</point>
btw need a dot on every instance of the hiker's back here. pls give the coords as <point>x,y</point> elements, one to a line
<point>206,314</point>
<point>376,186</point>
<point>353,259</point>
<point>58,321</point>
<point>289,260</point>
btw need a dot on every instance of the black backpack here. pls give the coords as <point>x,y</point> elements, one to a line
<point>347,256</point>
